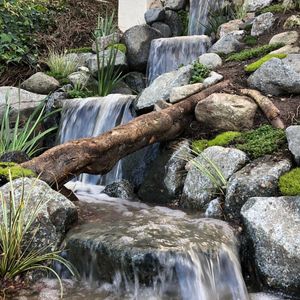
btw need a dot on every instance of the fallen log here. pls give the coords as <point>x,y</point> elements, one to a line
<point>98,155</point>
<point>266,105</point>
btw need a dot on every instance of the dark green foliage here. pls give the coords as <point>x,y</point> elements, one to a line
<point>274,9</point>
<point>184,16</point>
<point>223,139</point>
<point>250,40</point>
<point>289,183</point>
<point>80,50</point>
<point>80,93</point>
<point>261,141</point>
<point>58,76</point>
<point>199,72</point>
<point>254,66</point>
<point>19,21</point>
<point>254,52</point>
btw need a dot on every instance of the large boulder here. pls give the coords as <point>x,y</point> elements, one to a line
<point>293,60</point>
<point>276,78</point>
<point>287,38</point>
<point>137,40</point>
<point>253,5</point>
<point>226,112</point>
<point>259,178</point>
<point>199,187</point>
<point>162,86</point>
<point>211,60</point>
<point>163,28</point>
<point>175,4</point>
<point>20,100</point>
<point>56,214</point>
<point>293,138</point>
<point>227,44</point>
<point>174,21</point>
<point>226,28</point>
<point>262,23</point>
<point>273,226</point>
<point>154,15</point>
<point>40,83</point>
<point>83,79</point>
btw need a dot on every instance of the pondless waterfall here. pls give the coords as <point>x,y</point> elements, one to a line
<point>133,251</point>
<point>93,116</point>
<point>168,54</point>
<point>199,11</point>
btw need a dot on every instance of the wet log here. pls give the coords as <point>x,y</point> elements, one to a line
<point>266,105</point>
<point>98,155</point>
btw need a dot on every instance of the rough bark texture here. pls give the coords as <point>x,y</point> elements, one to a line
<point>98,155</point>
<point>266,105</point>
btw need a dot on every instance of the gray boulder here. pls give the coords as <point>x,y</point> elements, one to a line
<point>56,215</point>
<point>175,4</point>
<point>163,28</point>
<point>83,79</point>
<point>136,81</point>
<point>253,5</point>
<point>137,40</point>
<point>262,23</point>
<point>214,209</point>
<point>293,137</point>
<point>175,169</point>
<point>174,22</point>
<point>211,60</point>
<point>120,62</point>
<point>154,15</point>
<point>121,189</point>
<point>226,45</point>
<point>273,226</point>
<point>162,86</point>
<point>14,156</point>
<point>287,37</point>
<point>40,83</point>
<point>293,61</point>
<point>226,112</point>
<point>20,100</point>
<point>259,178</point>
<point>199,189</point>
<point>276,78</point>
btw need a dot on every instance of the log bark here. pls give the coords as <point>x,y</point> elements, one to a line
<point>98,155</point>
<point>266,105</point>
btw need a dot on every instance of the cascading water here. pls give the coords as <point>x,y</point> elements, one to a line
<point>91,117</point>
<point>168,54</point>
<point>199,11</point>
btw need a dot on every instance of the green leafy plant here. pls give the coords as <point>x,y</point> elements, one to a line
<point>254,66</point>
<point>254,52</point>
<point>222,139</point>
<point>61,65</point>
<point>199,72</point>
<point>26,137</point>
<point>17,255</point>
<point>80,91</point>
<point>289,183</point>
<point>239,11</point>
<point>184,17</point>
<point>261,141</point>
<point>106,26</point>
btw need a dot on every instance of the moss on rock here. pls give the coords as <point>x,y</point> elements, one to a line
<point>289,183</point>
<point>254,66</point>
<point>16,171</point>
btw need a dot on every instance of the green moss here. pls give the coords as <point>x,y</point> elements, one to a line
<point>222,139</point>
<point>250,40</point>
<point>120,47</point>
<point>254,66</point>
<point>199,72</point>
<point>80,50</point>
<point>262,141</point>
<point>274,9</point>
<point>254,52</point>
<point>289,183</point>
<point>16,171</point>
<point>60,77</point>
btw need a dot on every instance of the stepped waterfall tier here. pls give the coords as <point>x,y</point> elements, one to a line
<point>168,54</point>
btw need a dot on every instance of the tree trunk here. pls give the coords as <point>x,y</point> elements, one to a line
<point>98,155</point>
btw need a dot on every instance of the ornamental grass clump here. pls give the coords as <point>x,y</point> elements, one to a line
<point>17,232</point>
<point>289,183</point>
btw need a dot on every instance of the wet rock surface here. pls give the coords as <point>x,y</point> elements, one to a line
<point>121,189</point>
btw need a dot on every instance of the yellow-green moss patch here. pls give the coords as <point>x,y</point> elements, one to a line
<point>289,183</point>
<point>16,170</point>
<point>254,66</point>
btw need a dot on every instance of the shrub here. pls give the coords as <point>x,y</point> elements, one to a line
<point>254,66</point>
<point>289,183</point>
<point>261,141</point>
<point>61,66</point>
<point>199,72</point>
<point>250,40</point>
<point>222,139</point>
<point>254,52</point>
<point>26,138</point>
<point>17,218</point>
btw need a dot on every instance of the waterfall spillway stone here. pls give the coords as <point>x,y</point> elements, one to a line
<point>199,12</point>
<point>91,117</point>
<point>168,54</point>
<point>172,254</point>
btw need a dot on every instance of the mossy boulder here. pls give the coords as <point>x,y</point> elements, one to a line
<point>254,66</point>
<point>289,183</point>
